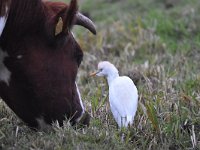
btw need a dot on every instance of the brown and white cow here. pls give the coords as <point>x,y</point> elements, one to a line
<point>39,60</point>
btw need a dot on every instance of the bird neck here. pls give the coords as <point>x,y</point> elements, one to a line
<point>111,77</point>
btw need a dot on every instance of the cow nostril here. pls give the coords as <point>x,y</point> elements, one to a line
<point>85,120</point>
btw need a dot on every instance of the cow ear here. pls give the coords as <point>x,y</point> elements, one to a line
<point>66,18</point>
<point>70,15</point>
<point>59,26</point>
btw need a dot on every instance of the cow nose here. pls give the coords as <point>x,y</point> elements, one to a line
<point>85,120</point>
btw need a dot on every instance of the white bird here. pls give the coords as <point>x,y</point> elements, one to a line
<point>123,94</point>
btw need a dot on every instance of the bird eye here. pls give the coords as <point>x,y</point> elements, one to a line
<point>100,70</point>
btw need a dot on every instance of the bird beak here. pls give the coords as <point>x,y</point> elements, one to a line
<point>94,73</point>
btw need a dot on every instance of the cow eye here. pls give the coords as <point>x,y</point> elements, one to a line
<point>78,54</point>
<point>79,59</point>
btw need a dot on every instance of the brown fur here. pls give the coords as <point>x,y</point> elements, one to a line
<point>3,5</point>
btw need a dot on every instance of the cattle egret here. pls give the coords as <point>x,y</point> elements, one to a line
<point>123,94</point>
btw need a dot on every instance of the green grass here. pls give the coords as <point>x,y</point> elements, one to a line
<point>159,49</point>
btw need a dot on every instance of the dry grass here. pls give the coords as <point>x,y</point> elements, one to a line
<point>159,49</point>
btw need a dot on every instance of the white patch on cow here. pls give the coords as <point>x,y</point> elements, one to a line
<point>19,56</point>
<point>4,72</point>
<point>3,20</point>
<point>79,95</point>
<point>73,35</point>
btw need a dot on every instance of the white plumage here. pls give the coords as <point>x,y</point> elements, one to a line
<point>123,94</point>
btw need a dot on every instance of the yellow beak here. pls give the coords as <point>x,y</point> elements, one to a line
<point>94,73</point>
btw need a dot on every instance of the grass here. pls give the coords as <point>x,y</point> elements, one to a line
<point>159,49</point>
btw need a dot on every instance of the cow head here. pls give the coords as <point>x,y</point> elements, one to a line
<point>39,60</point>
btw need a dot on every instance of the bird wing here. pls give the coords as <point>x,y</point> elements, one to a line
<point>123,97</point>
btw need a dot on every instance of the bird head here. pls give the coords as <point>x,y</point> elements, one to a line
<point>105,68</point>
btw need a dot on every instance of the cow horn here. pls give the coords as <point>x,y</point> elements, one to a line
<point>85,22</point>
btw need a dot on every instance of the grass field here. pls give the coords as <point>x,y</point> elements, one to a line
<point>154,42</point>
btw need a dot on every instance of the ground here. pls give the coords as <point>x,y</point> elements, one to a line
<point>157,44</point>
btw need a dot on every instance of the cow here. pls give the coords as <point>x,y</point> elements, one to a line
<point>39,61</point>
